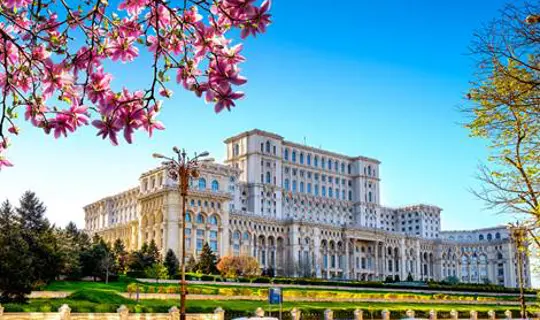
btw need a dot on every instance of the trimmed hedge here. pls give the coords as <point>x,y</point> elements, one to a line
<point>355,284</point>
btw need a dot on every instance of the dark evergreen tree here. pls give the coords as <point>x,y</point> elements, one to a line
<point>410,277</point>
<point>31,213</point>
<point>191,265</point>
<point>120,255</point>
<point>171,263</point>
<point>98,260</point>
<point>40,237</point>
<point>15,258</point>
<point>207,261</point>
<point>152,253</point>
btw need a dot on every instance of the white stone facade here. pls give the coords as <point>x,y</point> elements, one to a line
<point>303,211</point>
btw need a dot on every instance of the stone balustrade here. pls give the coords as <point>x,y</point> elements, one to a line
<point>122,313</point>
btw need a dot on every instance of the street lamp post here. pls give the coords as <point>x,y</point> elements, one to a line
<point>181,168</point>
<point>519,234</point>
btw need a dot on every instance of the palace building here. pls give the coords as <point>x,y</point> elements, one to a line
<point>303,211</point>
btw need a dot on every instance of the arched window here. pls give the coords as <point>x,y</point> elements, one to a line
<point>337,193</point>
<point>316,161</point>
<point>286,154</point>
<point>348,169</point>
<point>308,159</point>
<point>301,186</point>
<point>188,217</point>
<point>293,156</point>
<point>202,184</point>
<point>498,236</point>
<point>268,178</point>
<point>246,236</point>
<point>369,196</point>
<point>336,166</point>
<point>481,237</point>
<point>323,191</point>
<point>350,195</point>
<point>499,255</point>
<point>200,218</point>
<point>489,237</point>
<point>323,163</point>
<point>329,164</point>
<point>342,167</point>
<point>213,220</point>
<point>294,185</point>
<point>369,170</point>
<point>286,184</point>
<point>236,235</point>
<point>330,193</point>
<point>301,158</point>
<point>316,189</point>
<point>309,188</point>
<point>343,194</point>
<point>215,185</point>
<point>268,146</point>
<point>236,149</point>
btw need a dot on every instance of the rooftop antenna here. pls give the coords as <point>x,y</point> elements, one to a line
<point>305,143</point>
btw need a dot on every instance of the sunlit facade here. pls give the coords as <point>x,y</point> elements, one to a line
<point>303,211</point>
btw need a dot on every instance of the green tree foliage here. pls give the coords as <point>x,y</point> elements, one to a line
<point>16,265</point>
<point>410,277</point>
<point>207,261</point>
<point>121,255</point>
<point>139,261</point>
<point>156,271</point>
<point>98,261</point>
<point>171,263</point>
<point>40,237</point>
<point>505,110</point>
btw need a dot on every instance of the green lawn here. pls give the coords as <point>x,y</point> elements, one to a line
<point>88,300</point>
<point>240,290</point>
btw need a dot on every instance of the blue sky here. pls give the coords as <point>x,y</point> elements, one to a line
<point>382,79</point>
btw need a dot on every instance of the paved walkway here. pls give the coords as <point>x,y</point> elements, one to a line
<point>343,288</point>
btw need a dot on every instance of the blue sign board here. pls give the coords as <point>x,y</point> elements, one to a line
<point>274,296</point>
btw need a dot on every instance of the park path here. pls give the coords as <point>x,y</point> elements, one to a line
<point>397,289</point>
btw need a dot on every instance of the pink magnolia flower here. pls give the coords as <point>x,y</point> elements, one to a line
<point>99,87</point>
<point>122,48</point>
<point>232,55</point>
<point>258,20</point>
<point>149,123</point>
<point>55,78</point>
<point>165,93</point>
<point>34,113</point>
<point>108,128</point>
<point>133,7</point>
<point>14,130</point>
<point>221,73</point>
<point>5,162</point>
<point>192,15</point>
<point>79,116</point>
<point>224,97</point>
<point>16,3</point>
<point>61,124</point>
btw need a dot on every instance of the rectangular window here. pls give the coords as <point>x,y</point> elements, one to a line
<point>213,245</point>
<point>200,243</point>
<point>188,243</point>
<point>213,234</point>
<point>200,233</point>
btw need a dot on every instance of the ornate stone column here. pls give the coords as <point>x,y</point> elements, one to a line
<point>346,274</point>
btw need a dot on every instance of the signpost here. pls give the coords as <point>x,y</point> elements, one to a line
<point>275,296</point>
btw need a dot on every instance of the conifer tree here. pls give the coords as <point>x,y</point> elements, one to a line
<point>207,261</point>
<point>171,263</point>
<point>15,259</point>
